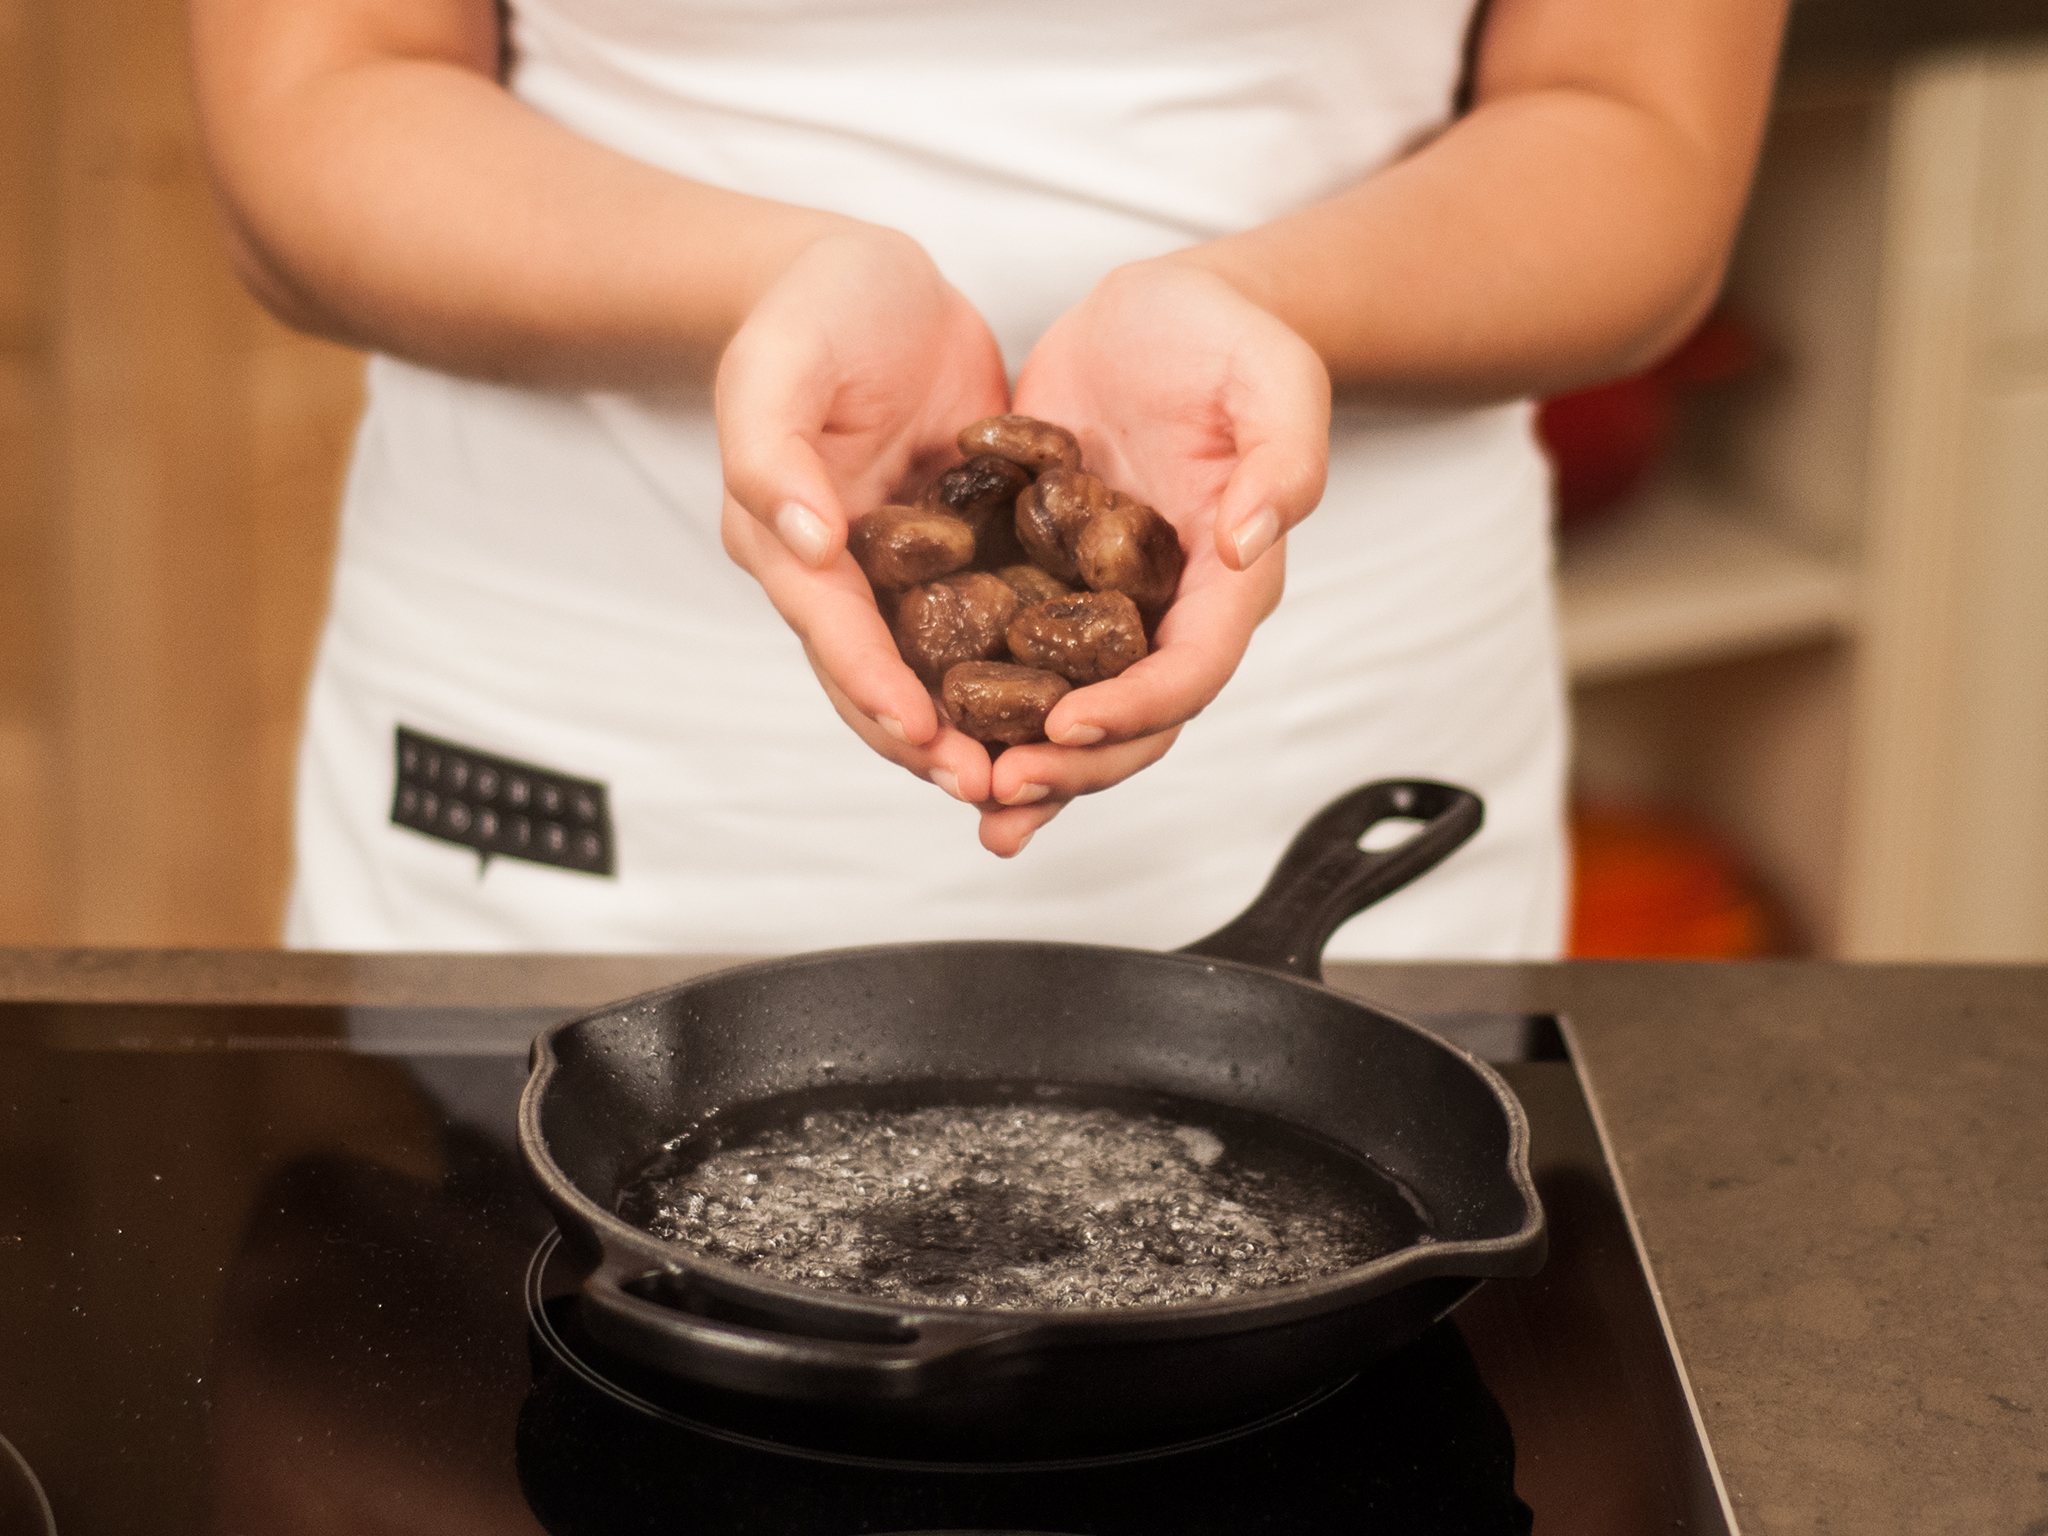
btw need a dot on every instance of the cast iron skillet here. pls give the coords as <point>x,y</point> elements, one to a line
<point>1238,1019</point>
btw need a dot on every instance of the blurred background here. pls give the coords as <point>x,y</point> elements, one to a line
<point>1804,562</point>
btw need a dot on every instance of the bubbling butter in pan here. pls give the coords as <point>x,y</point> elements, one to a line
<point>1025,1205</point>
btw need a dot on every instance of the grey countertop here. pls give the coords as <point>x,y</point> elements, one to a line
<point>1840,1174</point>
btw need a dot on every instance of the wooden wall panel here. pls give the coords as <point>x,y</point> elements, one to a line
<point>301,399</point>
<point>23,177</point>
<point>29,897</point>
<point>169,460</point>
<point>156,573</point>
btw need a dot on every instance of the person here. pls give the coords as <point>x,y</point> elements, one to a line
<point>663,292</point>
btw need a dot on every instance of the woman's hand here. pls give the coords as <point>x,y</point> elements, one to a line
<point>845,386</point>
<point>1189,397</point>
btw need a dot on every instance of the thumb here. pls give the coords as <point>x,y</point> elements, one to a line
<point>770,406</point>
<point>1281,422</point>
<point>1273,488</point>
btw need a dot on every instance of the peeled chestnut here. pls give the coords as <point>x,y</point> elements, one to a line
<point>955,619</point>
<point>1024,440</point>
<point>994,701</point>
<point>1032,585</point>
<point>902,546</point>
<point>1052,514</point>
<point>1085,638</point>
<point>1129,548</point>
<point>984,487</point>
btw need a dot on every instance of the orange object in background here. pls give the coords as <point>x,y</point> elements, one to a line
<point>1659,883</point>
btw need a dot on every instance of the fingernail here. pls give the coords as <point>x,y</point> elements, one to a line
<point>1024,842</point>
<point>893,726</point>
<point>949,782</point>
<point>1028,793</point>
<point>1255,535</point>
<point>804,532</point>
<point>1080,736</point>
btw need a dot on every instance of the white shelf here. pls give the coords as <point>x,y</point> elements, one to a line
<point>1679,580</point>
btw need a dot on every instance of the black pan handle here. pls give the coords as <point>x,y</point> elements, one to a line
<point>1324,877</point>
<point>709,1349</point>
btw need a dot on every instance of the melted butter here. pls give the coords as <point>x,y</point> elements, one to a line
<point>1009,1205</point>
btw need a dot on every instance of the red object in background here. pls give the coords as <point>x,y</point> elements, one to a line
<point>1660,883</point>
<point>1604,441</point>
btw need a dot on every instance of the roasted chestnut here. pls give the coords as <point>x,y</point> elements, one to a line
<point>1052,514</point>
<point>1033,585</point>
<point>983,493</point>
<point>995,701</point>
<point>903,546</point>
<point>1129,548</point>
<point>955,619</point>
<point>1023,440</point>
<point>1086,638</point>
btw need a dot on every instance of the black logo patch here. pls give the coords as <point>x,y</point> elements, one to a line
<point>501,807</point>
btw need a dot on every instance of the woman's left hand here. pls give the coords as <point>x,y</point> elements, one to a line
<point>849,381</point>
<point>1191,398</point>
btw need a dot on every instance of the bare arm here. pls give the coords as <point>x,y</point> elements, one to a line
<point>1572,226</point>
<point>383,189</point>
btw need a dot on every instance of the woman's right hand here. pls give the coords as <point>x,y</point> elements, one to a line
<point>845,386</point>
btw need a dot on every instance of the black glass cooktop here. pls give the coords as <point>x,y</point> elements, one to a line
<point>268,1271</point>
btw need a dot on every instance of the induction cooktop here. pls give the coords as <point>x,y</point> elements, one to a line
<point>273,1270</point>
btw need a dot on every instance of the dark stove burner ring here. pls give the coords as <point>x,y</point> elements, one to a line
<point>1414,1441</point>
<point>551,1287</point>
<point>23,1505</point>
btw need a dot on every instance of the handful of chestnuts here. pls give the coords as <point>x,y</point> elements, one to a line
<point>1016,576</point>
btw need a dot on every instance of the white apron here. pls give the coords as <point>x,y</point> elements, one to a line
<point>539,575</point>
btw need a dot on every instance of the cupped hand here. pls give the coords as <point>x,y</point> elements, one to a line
<point>1190,397</point>
<point>846,385</point>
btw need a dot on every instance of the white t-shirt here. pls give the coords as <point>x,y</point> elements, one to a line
<point>539,575</point>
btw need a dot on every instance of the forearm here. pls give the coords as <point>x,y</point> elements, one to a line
<point>394,196</point>
<point>1570,228</point>
<point>1419,285</point>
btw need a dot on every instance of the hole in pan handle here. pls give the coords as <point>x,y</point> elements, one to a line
<point>1324,877</point>
<point>791,1365</point>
